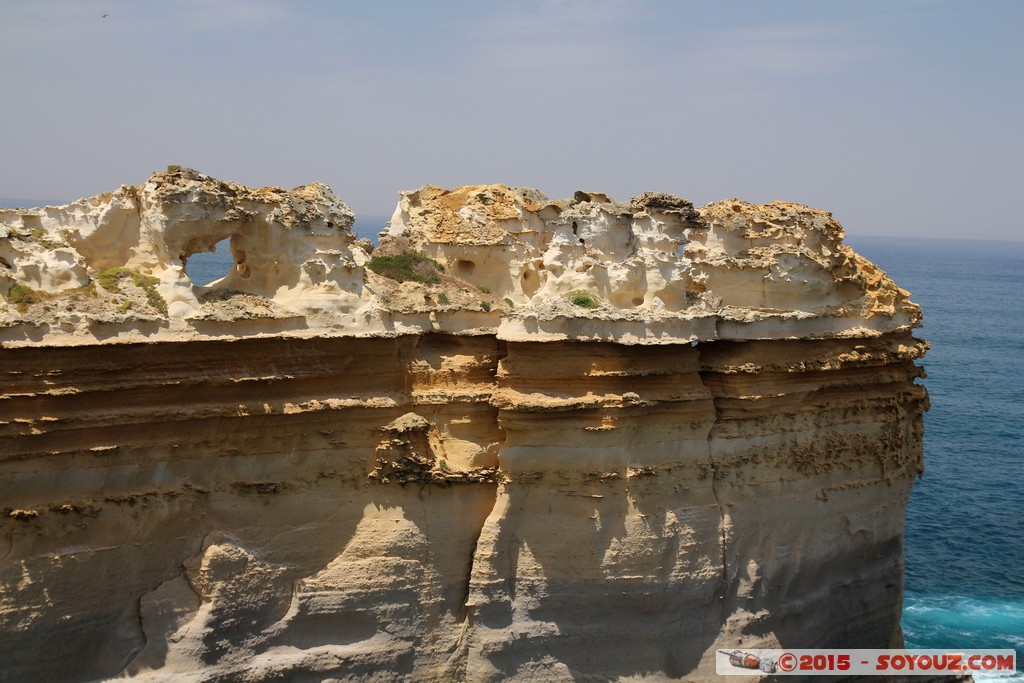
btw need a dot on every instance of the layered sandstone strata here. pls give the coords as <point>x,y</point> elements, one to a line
<point>312,471</point>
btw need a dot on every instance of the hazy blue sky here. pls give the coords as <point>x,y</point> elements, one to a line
<point>901,117</point>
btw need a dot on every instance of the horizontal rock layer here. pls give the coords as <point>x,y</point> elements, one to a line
<point>312,471</point>
<point>215,508</point>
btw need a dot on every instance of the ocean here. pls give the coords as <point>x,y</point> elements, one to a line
<point>965,523</point>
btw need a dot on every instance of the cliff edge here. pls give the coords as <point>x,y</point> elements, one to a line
<point>521,439</point>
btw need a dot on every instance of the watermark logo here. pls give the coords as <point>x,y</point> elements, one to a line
<point>740,659</point>
<point>746,662</point>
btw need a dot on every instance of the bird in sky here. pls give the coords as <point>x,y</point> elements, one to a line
<point>106,15</point>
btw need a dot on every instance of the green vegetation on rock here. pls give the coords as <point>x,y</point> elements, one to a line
<point>79,292</point>
<point>583,299</point>
<point>407,266</point>
<point>110,280</point>
<point>24,296</point>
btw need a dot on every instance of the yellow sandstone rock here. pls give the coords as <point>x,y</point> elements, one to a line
<point>582,439</point>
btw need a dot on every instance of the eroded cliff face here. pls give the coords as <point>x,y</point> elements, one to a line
<point>312,471</point>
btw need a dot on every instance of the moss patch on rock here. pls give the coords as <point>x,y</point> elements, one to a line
<point>111,278</point>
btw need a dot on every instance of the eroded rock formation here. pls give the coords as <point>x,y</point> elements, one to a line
<point>582,439</point>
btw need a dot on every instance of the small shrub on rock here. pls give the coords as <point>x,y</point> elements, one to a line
<point>583,299</point>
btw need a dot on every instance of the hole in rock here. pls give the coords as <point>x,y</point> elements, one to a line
<point>530,282</point>
<point>207,266</point>
<point>464,268</point>
<point>637,300</point>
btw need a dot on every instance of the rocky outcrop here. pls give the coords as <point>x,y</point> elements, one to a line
<point>653,270</point>
<point>522,439</point>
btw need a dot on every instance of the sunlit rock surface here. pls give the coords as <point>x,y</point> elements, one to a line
<point>311,471</point>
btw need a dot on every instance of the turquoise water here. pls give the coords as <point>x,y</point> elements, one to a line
<point>965,522</point>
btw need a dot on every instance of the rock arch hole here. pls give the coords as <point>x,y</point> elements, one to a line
<point>464,268</point>
<point>206,267</point>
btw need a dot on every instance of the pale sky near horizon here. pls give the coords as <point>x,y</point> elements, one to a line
<point>901,117</point>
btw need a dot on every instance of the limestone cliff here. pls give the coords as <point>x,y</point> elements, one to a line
<point>522,439</point>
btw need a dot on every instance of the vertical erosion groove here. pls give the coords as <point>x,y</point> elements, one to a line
<point>713,474</point>
<point>723,528</point>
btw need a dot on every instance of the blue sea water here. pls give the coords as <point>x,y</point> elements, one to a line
<point>965,523</point>
<point>205,267</point>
